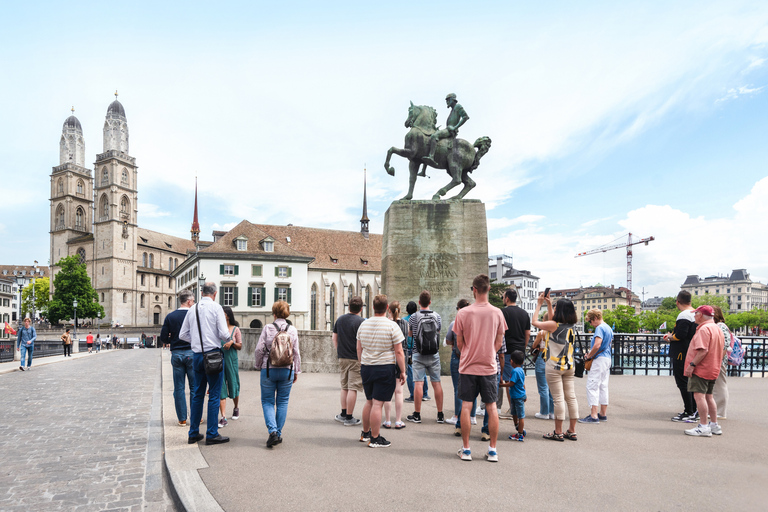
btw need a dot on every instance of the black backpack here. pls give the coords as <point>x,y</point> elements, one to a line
<point>427,342</point>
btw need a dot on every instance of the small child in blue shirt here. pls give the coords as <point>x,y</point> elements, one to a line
<point>517,393</point>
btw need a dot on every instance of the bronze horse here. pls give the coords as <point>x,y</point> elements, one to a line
<point>457,156</point>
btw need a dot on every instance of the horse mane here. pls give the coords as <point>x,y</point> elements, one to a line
<point>433,115</point>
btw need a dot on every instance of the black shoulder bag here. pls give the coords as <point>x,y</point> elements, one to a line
<point>213,361</point>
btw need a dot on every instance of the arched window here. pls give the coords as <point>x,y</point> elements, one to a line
<point>175,263</point>
<point>104,176</point>
<point>368,301</point>
<point>170,263</point>
<point>60,217</point>
<point>157,281</point>
<point>144,260</point>
<point>124,177</point>
<point>142,279</point>
<point>151,260</point>
<point>124,205</point>
<point>313,307</point>
<point>351,293</point>
<point>169,303</point>
<point>125,298</point>
<point>102,296</point>
<point>81,255</point>
<point>60,186</point>
<point>170,283</point>
<point>255,324</point>
<point>80,187</point>
<point>104,207</point>
<point>333,305</point>
<point>79,218</point>
<point>141,303</point>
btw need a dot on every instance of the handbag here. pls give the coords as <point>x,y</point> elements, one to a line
<point>213,361</point>
<point>588,364</point>
<point>578,360</point>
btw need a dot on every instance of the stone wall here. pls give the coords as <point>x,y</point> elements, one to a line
<point>316,348</point>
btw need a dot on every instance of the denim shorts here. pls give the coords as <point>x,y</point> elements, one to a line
<point>518,407</point>
<point>426,365</point>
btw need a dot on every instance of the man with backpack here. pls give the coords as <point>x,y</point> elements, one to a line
<point>424,326</point>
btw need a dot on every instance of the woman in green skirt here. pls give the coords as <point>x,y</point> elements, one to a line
<point>231,386</point>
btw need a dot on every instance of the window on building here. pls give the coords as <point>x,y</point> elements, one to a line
<point>256,270</point>
<point>282,293</point>
<point>367,301</point>
<point>283,272</point>
<point>124,177</point>
<point>350,293</point>
<point>739,290</point>
<point>228,270</point>
<point>141,300</point>
<point>104,207</point>
<point>269,246</point>
<point>256,296</point>
<point>228,296</point>
<point>104,176</point>
<point>124,205</point>
<point>175,263</point>
<point>142,279</point>
<point>333,305</point>
<point>60,186</point>
<point>242,245</point>
<point>157,281</point>
<point>80,190</point>
<point>144,260</point>
<point>81,255</point>
<point>169,303</point>
<point>60,217</point>
<point>151,260</point>
<point>313,307</point>
<point>170,283</point>
<point>79,218</point>
<point>125,298</point>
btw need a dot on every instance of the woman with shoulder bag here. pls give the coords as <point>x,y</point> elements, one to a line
<point>558,354</point>
<point>276,381</point>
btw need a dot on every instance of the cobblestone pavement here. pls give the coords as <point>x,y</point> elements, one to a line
<point>75,435</point>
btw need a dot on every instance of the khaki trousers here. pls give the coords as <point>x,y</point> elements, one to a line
<point>561,387</point>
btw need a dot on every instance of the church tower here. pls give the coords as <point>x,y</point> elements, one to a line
<point>71,198</point>
<point>115,199</point>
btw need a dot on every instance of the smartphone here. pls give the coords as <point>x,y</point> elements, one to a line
<point>546,292</point>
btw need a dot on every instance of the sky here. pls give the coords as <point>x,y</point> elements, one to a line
<point>606,118</point>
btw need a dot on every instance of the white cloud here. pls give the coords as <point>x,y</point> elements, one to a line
<point>754,63</point>
<point>151,211</point>
<point>685,244</point>
<point>224,227</point>
<point>505,222</point>
<point>736,92</point>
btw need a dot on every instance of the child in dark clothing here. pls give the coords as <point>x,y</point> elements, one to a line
<point>517,392</point>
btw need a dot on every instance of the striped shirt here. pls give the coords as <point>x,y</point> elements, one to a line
<point>378,336</point>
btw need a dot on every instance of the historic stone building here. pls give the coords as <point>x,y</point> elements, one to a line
<point>94,215</point>
<point>738,288</point>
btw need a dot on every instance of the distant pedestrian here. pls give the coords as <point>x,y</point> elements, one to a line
<point>181,354</point>
<point>89,341</point>
<point>597,380</point>
<point>450,339</point>
<point>679,339</point>
<point>345,341</point>
<point>98,343</point>
<point>424,327</point>
<point>560,365</point>
<point>204,327</point>
<point>394,312</point>
<point>25,340</point>
<point>479,332</point>
<point>276,381</point>
<point>516,386</point>
<point>231,386</point>
<point>702,366</point>
<point>721,384</point>
<point>66,341</point>
<point>382,363</point>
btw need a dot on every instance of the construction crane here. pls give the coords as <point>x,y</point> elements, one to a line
<point>628,244</point>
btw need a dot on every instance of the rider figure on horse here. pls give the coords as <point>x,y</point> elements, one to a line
<point>456,118</point>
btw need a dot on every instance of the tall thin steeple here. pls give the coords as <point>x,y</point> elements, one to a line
<point>195,224</point>
<point>364,220</point>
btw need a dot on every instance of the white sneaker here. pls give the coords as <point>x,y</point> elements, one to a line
<point>465,454</point>
<point>700,431</point>
<point>552,416</point>
<point>716,429</point>
<point>479,411</point>
<point>492,456</point>
<point>473,421</point>
<point>540,416</point>
<point>452,421</point>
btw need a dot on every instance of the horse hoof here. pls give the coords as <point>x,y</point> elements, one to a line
<point>391,171</point>
<point>436,197</point>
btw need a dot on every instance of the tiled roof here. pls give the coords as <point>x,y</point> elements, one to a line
<point>349,248</point>
<point>164,242</point>
<point>254,234</point>
<point>8,271</point>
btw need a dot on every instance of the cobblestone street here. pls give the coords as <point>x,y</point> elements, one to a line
<point>75,435</point>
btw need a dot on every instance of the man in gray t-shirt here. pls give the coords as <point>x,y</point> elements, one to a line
<point>345,341</point>
<point>425,364</point>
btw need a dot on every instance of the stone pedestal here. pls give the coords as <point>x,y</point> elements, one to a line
<point>439,246</point>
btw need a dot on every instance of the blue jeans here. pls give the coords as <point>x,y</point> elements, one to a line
<point>485,418</point>
<point>409,377</point>
<point>546,404</point>
<point>181,360</point>
<point>202,381</point>
<point>26,353</point>
<point>455,379</point>
<point>275,391</point>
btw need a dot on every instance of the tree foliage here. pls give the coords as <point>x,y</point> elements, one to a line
<point>72,282</point>
<point>623,317</point>
<point>496,295</point>
<point>711,300</point>
<point>42,300</point>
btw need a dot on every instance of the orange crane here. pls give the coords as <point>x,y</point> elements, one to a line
<point>628,244</point>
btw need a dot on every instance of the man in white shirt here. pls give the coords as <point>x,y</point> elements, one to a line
<point>213,327</point>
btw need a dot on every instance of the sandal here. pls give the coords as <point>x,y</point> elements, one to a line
<point>386,424</point>
<point>554,436</point>
<point>399,425</point>
<point>570,435</point>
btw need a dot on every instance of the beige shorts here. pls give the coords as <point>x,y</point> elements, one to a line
<point>350,374</point>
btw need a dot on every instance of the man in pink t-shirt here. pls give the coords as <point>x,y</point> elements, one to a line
<point>479,330</point>
<point>702,366</point>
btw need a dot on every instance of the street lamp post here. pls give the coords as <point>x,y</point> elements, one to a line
<point>200,284</point>
<point>98,329</point>
<point>76,342</point>
<point>16,350</point>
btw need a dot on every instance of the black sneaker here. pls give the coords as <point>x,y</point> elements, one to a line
<point>415,417</point>
<point>273,439</point>
<point>440,417</point>
<point>379,442</point>
<point>692,418</point>
<point>365,436</point>
<point>680,417</point>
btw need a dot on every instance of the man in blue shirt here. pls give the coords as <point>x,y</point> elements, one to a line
<point>25,339</point>
<point>597,380</point>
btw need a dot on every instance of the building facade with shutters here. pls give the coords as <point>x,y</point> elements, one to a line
<point>738,288</point>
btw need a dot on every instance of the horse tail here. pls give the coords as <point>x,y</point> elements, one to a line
<point>483,144</point>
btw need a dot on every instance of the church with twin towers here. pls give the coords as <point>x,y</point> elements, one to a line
<point>94,216</point>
